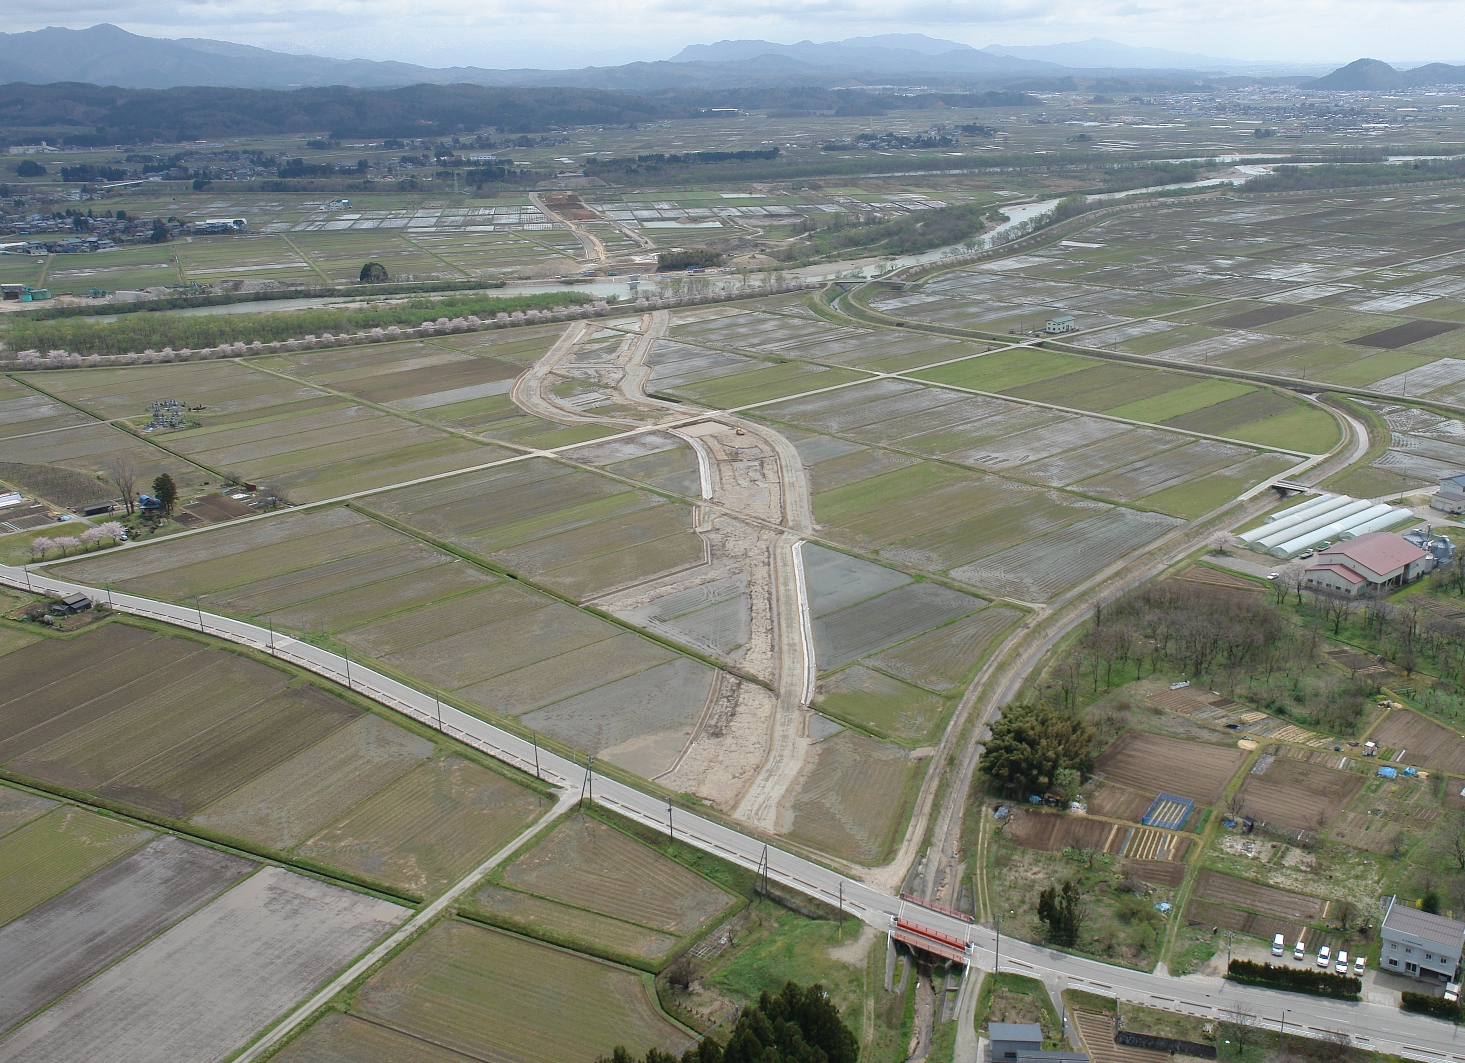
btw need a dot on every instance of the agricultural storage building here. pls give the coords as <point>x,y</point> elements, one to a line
<point>1419,944</point>
<point>1062,323</point>
<point>1008,1039</point>
<point>1451,496</point>
<point>1377,561</point>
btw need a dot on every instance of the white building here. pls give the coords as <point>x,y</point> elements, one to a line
<point>1419,944</point>
<point>1062,323</point>
<point>1451,496</point>
<point>1377,561</point>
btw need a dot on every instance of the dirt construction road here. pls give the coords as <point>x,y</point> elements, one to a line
<point>752,742</point>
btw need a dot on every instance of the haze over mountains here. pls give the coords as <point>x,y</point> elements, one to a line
<point>110,56</point>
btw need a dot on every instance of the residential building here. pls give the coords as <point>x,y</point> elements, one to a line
<point>1062,323</point>
<point>1008,1039</point>
<point>1419,944</point>
<point>1377,561</point>
<point>1450,498</point>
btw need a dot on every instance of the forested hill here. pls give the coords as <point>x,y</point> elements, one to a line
<point>87,114</point>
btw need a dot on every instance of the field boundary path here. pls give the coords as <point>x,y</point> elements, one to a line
<point>1373,1026</point>
<point>401,935</point>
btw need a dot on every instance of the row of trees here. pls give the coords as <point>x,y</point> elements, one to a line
<point>137,332</point>
<point>42,545</point>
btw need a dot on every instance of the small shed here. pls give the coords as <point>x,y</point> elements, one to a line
<point>75,602</point>
<point>1009,1039</point>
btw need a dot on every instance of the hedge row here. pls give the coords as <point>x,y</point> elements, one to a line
<point>1296,979</point>
<point>1425,1004</point>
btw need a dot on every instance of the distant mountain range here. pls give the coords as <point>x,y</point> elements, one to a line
<point>107,55</point>
<point>1372,74</point>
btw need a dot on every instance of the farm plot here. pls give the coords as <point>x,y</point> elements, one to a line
<point>1424,446</point>
<point>170,727</point>
<point>1296,794</point>
<point>1152,475</point>
<point>338,1038</point>
<point>61,943</point>
<point>204,987</point>
<point>429,828</point>
<point>1268,900</point>
<point>866,627</point>
<point>1150,762</point>
<point>491,995</point>
<point>882,704</point>
<point>942,659</point>
<point>1120,802</point>
<point>1418,740</point>
<point>18,807</point>
<point>293,800</point>
<point>413,376</point>
<point>588,864</point>
<point>571,529</point>
<point>266,429</point>
<point>855,797</point>
<point>48,854</point>
<point>1045,566</point>
<point>551,920</point>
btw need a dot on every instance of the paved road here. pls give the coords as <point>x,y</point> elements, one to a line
<point>1376,1026</point>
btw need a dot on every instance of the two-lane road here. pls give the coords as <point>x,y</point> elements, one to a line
<point>1373,1025</point>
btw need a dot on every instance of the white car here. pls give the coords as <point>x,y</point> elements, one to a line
<point>1322,957</point>
<point>1359,964</point>
<point>1278,944</point>
<point>1299,951</point>
<point>1342,966</point>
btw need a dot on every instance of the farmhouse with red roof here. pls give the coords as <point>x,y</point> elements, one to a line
<point>1378,561</point>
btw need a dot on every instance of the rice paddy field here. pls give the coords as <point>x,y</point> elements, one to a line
<point>205,986</point>
<point>1350,289</point>
<point>497,645</point>
<point>240,751</point>
<point>257,427</point>
<point>914,643</point>
<point>465,990</point>
<point>586,880</point>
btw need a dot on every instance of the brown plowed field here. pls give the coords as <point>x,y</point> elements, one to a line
<point>1227,889</point>
<point>1294,793</point>
<point>1423,741</point>
<point>1055,831</point>
<point>1258,926</point>
<point>1172,765</point>
<point>1157,872</point>
<point>1097,1034</point>
<point>1119,802</point>
<point>1214,577</point>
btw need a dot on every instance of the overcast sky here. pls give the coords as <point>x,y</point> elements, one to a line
<point>569,33</point>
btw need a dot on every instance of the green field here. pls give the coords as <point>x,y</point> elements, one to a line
<point>48,854</point>
<point>494,995</point>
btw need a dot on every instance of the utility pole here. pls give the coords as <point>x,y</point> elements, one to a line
<point>109,595</point>
<point>997,952</point>
<point>588,786</point>
<point>437,704</point>
<point>536,754</point>
<point>347,657</point>
<point>841,904</point>
<point>28,577</point>
<point>671,833</point>
<point>199,607</point>
<point>1282,1031</point>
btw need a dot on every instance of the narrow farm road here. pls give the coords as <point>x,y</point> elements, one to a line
<point>594,249</point>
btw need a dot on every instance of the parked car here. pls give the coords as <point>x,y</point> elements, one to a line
<point>1299,951</point>
<point>1342,965</point>
<point>1323,955</point>
<point>1278,944</point>
<point>1359,965</point>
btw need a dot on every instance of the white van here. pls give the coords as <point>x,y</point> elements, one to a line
<point>1278,944</point>
<point>1342,967</point>
<point>1299,951</point>
<point>1322,957</point>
